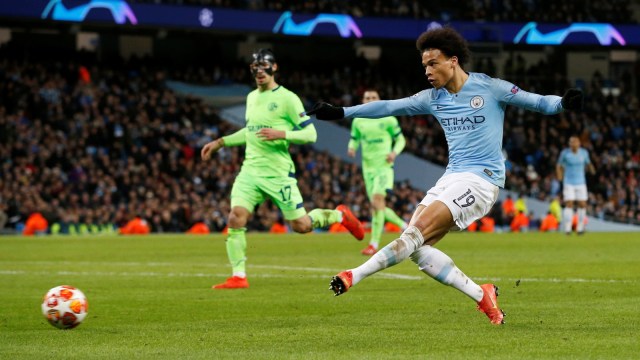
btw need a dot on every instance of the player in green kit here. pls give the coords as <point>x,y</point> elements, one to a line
<point>274,119</point>
<point>381,141</point>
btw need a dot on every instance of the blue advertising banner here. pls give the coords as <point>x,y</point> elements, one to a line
<point>122,13</point>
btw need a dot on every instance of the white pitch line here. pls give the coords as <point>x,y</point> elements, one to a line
<point>293,275</point>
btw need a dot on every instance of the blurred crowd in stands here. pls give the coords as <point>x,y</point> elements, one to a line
<point>91,148</point>
<point>551,11</point>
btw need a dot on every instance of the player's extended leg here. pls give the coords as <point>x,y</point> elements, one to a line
<point>237,249</point>
<point>323,218</point>
<point>284,192</point>
<point>567,216</point>
<point>379,183</point>
<point>316,219</point>
<point>464,198</point>
<point>377,224</point>
<point>432,222</point>
<point>392,217</point>
<point>441,267</point>
<point>582,214</point>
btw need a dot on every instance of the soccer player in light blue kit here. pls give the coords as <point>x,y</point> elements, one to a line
<point>470,108</point>
<point>572,163</point>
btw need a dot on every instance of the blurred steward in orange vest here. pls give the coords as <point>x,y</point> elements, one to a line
<point>520,222</point>
<point>137,226</point>
<point>198,228</point>
<point>485,224</point>
<point>549,223</point>
<point>36,224</point>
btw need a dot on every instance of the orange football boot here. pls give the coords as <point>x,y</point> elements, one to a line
<point>341,282</point>
<point>234,282</point>
<point>369,250</point>
<point>350,222</point>
<point>489,304</point>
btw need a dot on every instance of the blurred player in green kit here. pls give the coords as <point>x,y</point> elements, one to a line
<point>274,119</point>
<point>381,141</point>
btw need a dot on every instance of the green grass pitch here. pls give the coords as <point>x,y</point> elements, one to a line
<point>150,297</point>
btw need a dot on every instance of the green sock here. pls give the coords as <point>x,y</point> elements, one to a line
<point>322,218</point>
<point>237,250</point>
<point>377,224</point>
<point>392,217</point>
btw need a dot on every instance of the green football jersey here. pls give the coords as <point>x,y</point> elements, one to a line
<point>376,136</point>
<point>278,109</point>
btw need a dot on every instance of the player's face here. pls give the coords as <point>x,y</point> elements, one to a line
<point>370,96</point>
<point>437,67</point>
<point>574,143</point>
<point>263,72</point>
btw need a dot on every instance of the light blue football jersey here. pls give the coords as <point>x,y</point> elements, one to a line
<point>472,119</point>
<point>574,165</point>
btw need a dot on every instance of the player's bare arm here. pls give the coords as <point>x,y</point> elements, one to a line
<point>268,134</point>
<point>559,172</point>
<point>211,148</point>
<point>391,157</point>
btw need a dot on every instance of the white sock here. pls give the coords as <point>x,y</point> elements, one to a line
<point>582,212</point>
<point>439,266</point>
<point>394,253</point>
<point>567,218</point>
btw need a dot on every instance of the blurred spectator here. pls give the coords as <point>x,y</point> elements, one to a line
<point>508,209</point>
<point>521,204</point>
<point>473,227</point>
<point>3,215</point>
<point>136,226</point>
<point>520,222</point>
<point>36,225</point>
<point>279,227</point>
<point>555,208</point>
<point>199,228</point>
<point>549,223</point>
<point>487,224</point>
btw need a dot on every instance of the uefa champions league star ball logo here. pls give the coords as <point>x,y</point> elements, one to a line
<point>205,17</point>
<point>477,102</point>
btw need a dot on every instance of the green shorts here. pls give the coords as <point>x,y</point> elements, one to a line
<point>249,191</point>
<point>378,181</point>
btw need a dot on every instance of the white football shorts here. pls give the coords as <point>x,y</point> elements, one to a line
<point>575,192</point>
<point>468,196</point>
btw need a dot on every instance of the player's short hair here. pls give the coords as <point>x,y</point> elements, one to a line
<point>370,89</point>
<point>447,40</point>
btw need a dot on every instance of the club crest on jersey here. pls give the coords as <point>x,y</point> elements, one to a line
<point>272,106</point>
<point>477,102</point>
<point>514,89</point>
